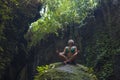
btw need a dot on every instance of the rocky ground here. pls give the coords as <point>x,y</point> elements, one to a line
<point>67,72</point>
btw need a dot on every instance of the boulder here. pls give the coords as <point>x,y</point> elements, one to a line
<point>59,71</point>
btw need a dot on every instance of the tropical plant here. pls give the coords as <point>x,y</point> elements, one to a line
<point>56,14</point>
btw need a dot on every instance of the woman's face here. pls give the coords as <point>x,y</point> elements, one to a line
<point>70,43</point>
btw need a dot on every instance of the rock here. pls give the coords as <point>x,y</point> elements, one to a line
<point>59,71</point>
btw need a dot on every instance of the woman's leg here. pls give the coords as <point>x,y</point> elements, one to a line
<point>62,56</point>
<point>73,57</point>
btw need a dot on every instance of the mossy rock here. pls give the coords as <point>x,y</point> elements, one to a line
<point>59,71</point>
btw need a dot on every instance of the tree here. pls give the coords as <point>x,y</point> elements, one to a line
<point>56,14</point>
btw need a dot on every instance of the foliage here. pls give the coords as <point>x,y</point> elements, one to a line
<point>55,72</point>
<point>4,14</point>
<point>42,70</point>
<point>105,44</point>
<point>100,55</point>
<point>12,30</point>
<point>5,11</point>
<point>58,14</point>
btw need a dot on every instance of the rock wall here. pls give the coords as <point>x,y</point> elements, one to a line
<point>13,58</point>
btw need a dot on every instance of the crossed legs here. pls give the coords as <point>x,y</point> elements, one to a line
<point>68,58</point>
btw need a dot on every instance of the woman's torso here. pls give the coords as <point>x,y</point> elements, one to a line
<point>70,50</point>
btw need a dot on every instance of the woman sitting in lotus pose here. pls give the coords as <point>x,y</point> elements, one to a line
<point>69,54</point>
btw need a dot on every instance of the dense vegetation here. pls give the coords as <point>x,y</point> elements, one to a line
<point>15,17</point>
<point>93,24</point>
<point>5,17</point>
<point>59,14</point>
<point>105,43</point>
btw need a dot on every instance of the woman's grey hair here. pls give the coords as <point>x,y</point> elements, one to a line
<point>70,41</point>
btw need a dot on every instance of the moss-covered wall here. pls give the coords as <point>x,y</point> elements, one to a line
<point>102,42</point>
<point>15,17</point>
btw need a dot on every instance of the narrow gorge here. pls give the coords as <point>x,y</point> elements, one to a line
<point>32,30</point>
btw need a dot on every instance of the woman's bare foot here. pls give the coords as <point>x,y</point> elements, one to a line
<point>66,62</point>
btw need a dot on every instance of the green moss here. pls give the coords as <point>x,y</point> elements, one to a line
<point>66,72</point>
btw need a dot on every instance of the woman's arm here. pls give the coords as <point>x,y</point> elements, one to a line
<point>64,50</point>
<point>76,51</point>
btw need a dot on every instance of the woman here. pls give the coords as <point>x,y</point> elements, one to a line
<point>69,54</point>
